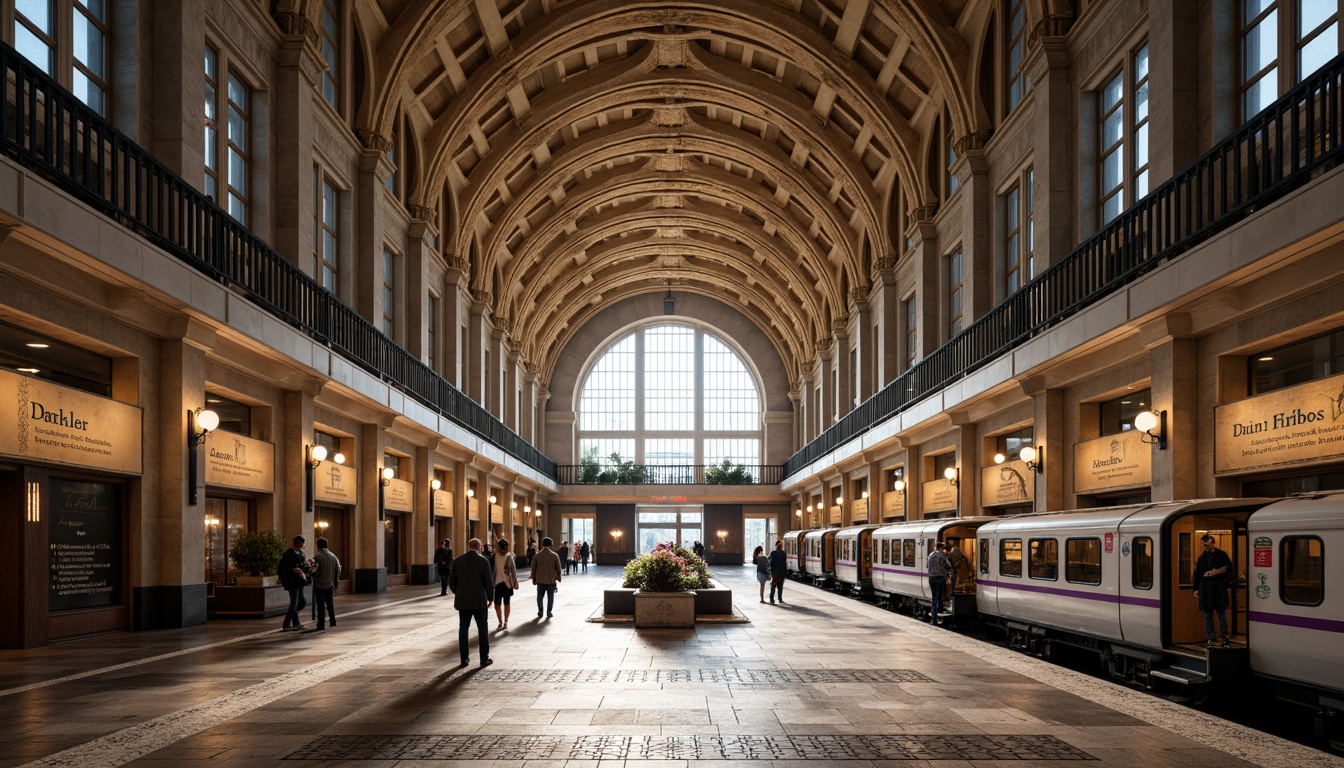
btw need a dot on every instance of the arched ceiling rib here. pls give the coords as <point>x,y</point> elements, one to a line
<point>745,150</point>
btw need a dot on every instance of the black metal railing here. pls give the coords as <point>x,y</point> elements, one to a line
<point>50,131</point>
<point>1275,152</point>
<point>668,474</point>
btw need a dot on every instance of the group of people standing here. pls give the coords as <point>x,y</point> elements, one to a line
<point>477,582</point>
<point>574,558</point>
<point>322,571</point>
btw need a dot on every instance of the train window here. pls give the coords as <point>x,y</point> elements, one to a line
<point>908,553</point>
<point>1082,561</point>
<point>1185,569</point>
<point>1043,559</point>
<point>984,555</point>
<point>1141,567</point>
<point>1301,570</point>
<point>1010,557</point>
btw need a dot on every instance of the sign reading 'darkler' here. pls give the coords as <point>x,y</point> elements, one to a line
<point>1303,424</point>
<point>48,422</point>
<point>1007,484</point>
<point>238,461</point>
<point>939,496</point>
<point>1112,462</point>
<point>399,495</point>
<point>336,483</point>
<point>84,539</point>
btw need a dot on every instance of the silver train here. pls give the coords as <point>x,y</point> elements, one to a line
<point>1117,581</point>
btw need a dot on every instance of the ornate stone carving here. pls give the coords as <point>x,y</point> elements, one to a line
<point>373,140</point>
<point>971,142</point>
<point>1049,26</point>
<point>292,23</point>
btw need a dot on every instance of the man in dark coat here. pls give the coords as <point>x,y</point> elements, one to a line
<point>473,584</point>
<point>443,565</point>
<point>779,568</point>
<point>584,552</point>
<point>1210,582</point>
<point>293,573</point>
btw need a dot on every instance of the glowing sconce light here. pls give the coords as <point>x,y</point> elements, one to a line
<point>1034,458</point>
<point>950,474</point>
<point>200,422</point>
<point>1153,425</point>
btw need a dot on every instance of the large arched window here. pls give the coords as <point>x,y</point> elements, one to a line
<point>672,396</point>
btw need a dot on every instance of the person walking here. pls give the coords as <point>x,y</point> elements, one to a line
<point>326,572</point>
<point>564,556</point>
<point>939,568</point>
<point>546,575</point>
<point>1210,584</point>
<point>779,568</point>
<point>762,570</point>
<point>506,581</point>
<point>473,588</point>
<point>443,564</point>
<point>584,552</point>
<point>293,572</point>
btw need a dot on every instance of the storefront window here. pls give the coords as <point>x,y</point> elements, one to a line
<point>234,416</point>
<point>392,544</point>
<point>224,520</point>
<point>55,361</point>
<point>1011,444</point>
<point>330,523</point>
<point>1118,415</point>
<point>1287,486</point>
<point>1303,361</point>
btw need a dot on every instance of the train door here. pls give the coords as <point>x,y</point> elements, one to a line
<point>1185,622</point>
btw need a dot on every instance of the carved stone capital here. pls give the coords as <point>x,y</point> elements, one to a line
<point>373,140</point>
<point>296,24</point>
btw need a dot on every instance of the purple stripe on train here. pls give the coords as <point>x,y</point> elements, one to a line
<point>1301,622</point>
<point>900,572</point>
<point>1147,602</point>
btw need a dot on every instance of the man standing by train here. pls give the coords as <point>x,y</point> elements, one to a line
<point>779,568</point>
<point>939,569</point>
<point>1210,583</point>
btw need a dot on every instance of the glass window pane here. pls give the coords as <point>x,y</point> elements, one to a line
<point>1142,564</point>
<point>1316,53</point>
<point>237,128</point>
<point>237,208</point>
<point>1113,128</point>
<point>38,12</point>
<point>1260,47</point>
<point>237,91</point>
<point>1010,557</point>
<point>1112,170</point>
<point>1043,559</point>
<point>1312,14</point>
<point>1301,571</point>
<point>88,45</point>
<point>1082,563</point>
<point>1262,93</point>
<point>32,48</point>
<point>731,401</point>
<point>1141,146</point>
<point>608,400</point>
<point>1112,92</point>
<point>210,57</point>
<point>669,378</point>
<point>1141,102</point>
<point>237,171</point>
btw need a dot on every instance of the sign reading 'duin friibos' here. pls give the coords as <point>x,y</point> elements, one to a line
<point>1303,424</point>
<point>84,545</point>
<point>48,422</point>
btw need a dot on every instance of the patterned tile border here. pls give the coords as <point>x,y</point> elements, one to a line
<point>828,748</point>
<point>730,676</point>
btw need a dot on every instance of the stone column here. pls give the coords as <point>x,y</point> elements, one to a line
<point>885,320</point>
<point>422,535</point>
<point>928,276</point>
<point>1055,197</point>
<point>415,298</point>
<point>294,514</point>
<point>1175,383</point>
<point>861,331</point>
<point>826,371</point>
<point>512,397</point>
<point>844,371</point>
<point>1173,86</point>
<point>475,377</point>
<point>1052,439</point>
<point>299,67</point>
<point>977,245</point>
<point>456,311</point>
<point>364,288</point>
<point>369,572</point>
<point>968,464</point>
<point>177,74</point>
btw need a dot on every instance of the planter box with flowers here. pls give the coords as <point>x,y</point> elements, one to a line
<point>666,580</point>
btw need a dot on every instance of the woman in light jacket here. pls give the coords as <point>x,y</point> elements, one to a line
<point>762,569</point>
<point>506,581</point>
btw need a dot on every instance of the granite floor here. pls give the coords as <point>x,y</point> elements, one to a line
<point>820,680</point>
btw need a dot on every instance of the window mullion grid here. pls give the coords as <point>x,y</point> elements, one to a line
<point>639,397</point>
<point>698,454</point>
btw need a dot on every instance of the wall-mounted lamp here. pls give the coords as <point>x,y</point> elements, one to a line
<point>864,495</point>
<point>434,486</point>
<point>839,500</point>
<point>1034,458</point>
<point>513,505</point>
<point>1153,425</point>
<point>200,422</point>
<point>339,458</point>
<point>211,521</point>
<point>999,458</point>
<point>316,455</point>
<point>616,534</point>
<point>950,475</point>
<point>321,526</point>
<point>809,509</point>
<point>493,500</point>
<point>384,480</point>
<point>313,455</point>
<point>798,512</point>
<point>899,485</point>
<point>723,538</point>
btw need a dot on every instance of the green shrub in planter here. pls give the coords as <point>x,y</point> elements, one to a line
<point>664,570</point>
<point>257,553</point>
<point>727,473</point>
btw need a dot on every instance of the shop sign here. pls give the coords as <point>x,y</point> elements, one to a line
<point>860,511</point>
<point>1303,424</point>
<point>49,422</point>
<point>893,504</point>
<point>836,512</point>
<point>443,504</point>
<point>399,495</point>
<point>1112,462</point>
<point>939,496</point>
<point>238,461</point>
<point>497,514</point>
<point>1007,484</point>
<point>336,483</point>
<point>84,545</point>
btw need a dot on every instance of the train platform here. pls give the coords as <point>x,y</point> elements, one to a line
<point>818,680</point>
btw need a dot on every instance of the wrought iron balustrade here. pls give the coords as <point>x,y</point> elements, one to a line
<point>50,131</point>
<point>664,474</point>
<point>1272,154</point>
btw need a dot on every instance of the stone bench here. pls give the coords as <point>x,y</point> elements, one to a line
<point>718,599</point>
<point>618,601</point>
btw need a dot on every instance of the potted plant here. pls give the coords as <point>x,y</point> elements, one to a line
<point>665,580</point>
<point>727,473</point>
<point>256,554</point>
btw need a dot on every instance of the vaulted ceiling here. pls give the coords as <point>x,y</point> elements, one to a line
<point>746,150</point>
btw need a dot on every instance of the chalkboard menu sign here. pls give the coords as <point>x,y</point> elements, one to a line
<point>85,541</point>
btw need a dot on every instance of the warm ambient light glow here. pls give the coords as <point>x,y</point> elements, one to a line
<point>319,454</point>
<point>899,485</point>
<point>339,458</point>
<point>950,473</point>
<point>999,458</point>
<point>389,473</point>
<point>207,420</point>
<point>865,494</point>
<point>435,485</point>
<point>839,500</point>
<point>1145,421</point>
<point>617,533</point>
<point>513,505</point>
<point>493,499</point>
<point>1028,454</point>
<point>470,493</point>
